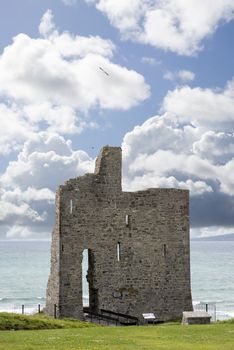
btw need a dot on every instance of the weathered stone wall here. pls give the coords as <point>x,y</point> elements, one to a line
<point>153,272</point>
<point>52,295</point>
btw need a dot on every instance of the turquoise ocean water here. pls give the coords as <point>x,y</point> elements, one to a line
<point>24,270</point>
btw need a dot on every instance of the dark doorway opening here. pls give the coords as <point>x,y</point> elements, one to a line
<point>89,291</point>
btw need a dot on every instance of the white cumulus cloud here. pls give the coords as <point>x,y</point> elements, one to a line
<point>56,79</point>
<point>20,211</point>
<point>176,25</point>
<point>164,153</point>
<point>210,108</point>
<point>14,130</point>
<point>27,187</point>
<point>47,26</point>
<point>64,70</point>
<point>190,146</point>
<point>45,161</point>
<point>215,146</point>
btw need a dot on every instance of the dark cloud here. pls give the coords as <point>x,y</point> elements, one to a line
<point>212,209</point>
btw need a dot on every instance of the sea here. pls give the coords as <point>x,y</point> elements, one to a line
<point>25,266</point>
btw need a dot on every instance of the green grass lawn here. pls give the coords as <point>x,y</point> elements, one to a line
<point>218,336</point>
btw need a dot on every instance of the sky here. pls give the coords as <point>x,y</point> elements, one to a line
<point>155,77</point>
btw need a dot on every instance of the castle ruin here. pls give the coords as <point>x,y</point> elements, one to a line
<point>137,242</point>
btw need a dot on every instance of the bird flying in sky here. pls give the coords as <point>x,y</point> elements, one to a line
<point>105,72</point>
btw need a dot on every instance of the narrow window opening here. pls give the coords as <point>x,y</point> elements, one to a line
<point>62,247</point>
<point>71,206</point>
<point>164,249</point>
<point>118,251</point>
<point>127,220</point>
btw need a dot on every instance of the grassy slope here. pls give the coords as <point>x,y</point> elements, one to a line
<point>12,321</point>
<point>161,337</point>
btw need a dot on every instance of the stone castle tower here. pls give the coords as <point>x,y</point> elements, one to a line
<point>138,246</point>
